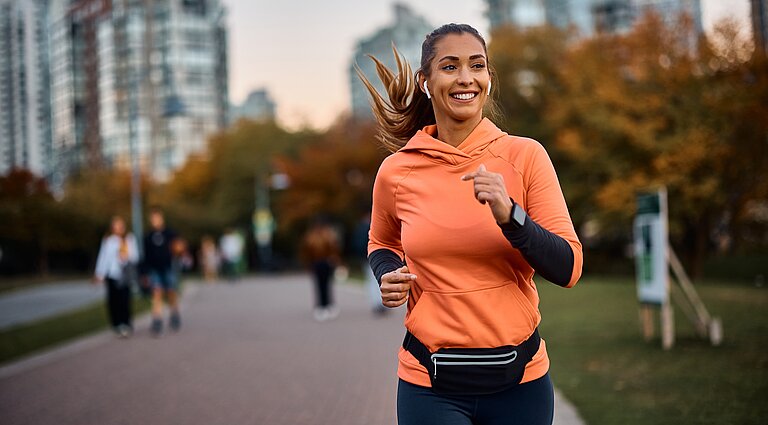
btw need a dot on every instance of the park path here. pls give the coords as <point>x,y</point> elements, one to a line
<point>248,353</point>
<point>27,305</point>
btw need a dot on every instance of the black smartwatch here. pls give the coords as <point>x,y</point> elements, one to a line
<point>516,217</point>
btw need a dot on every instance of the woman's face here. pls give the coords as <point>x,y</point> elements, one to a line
<point>118,227</point>
<point>459,78</point>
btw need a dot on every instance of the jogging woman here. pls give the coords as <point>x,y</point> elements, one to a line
<point>463,217</point>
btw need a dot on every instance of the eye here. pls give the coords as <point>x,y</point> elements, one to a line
<point>479,65</point>
<point>448,67</point>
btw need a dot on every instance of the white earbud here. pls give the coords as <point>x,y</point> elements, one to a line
<point>489,87</point>
<point>426,90</point>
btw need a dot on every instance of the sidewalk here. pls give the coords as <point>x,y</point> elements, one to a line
<point>39,302</point>
<point>248,353</point>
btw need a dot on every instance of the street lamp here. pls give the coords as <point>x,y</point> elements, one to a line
<point>136,213</point>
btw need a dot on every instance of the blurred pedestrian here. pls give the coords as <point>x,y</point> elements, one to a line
<point>232,244</point>
<point>209,259</point>
<point>463,216</point>
<point>181,259</point>
<point>163,276</point>
<point>116,266</point>
<point>320,252</point>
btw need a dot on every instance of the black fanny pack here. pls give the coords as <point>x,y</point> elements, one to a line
<point>474,371</point>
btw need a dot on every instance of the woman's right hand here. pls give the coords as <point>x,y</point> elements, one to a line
<point>395,286</point>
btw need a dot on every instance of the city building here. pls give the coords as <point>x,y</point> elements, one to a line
<point>25,131</point>
<point>670,10</point>
<point>143,76</point>
<point>587,16</point>
<point>611,16</point>
<point>258,106</point>
<point>759,14</point>
<point>407,32</point>
<point>520,13</point>
<point>571,13</point>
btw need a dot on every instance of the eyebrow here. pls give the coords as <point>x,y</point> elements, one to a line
<point>455,58</point>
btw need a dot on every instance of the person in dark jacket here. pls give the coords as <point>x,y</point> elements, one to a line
<point>163,277</point>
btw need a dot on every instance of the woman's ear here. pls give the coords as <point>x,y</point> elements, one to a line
<point>422,82</point>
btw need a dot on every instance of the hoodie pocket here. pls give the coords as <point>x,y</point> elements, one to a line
<point>484,318</point>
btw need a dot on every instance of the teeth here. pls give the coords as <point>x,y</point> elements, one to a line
<point>463,96</point>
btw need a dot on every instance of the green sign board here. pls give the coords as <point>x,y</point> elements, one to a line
<point>651,248</point>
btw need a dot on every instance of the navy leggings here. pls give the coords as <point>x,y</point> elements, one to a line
<point>531,403</point>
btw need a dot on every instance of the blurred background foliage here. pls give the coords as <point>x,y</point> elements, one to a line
<point>617,113</point>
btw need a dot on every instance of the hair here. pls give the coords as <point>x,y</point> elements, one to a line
<point>407,108</point>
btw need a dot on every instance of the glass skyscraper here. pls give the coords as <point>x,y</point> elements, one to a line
<point>25,132</point>
<point>407,33</point>
<point>147,73</point>
<point>587,16</point>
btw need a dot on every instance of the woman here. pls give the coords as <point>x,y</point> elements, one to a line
<point>116,264</point>
<point>463,216</point>
<point>209,259</point>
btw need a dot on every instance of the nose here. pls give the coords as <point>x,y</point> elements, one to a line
<point>464,77</point>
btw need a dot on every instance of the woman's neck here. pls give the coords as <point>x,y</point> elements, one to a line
<point>454,132</point>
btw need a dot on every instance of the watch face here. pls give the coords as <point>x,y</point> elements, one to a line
<point>518,215</point>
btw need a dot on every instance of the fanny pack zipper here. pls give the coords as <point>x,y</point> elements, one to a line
<point>437,356</point>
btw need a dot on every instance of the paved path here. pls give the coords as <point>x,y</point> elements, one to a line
<point>39,302</point>
<point>248,353</point>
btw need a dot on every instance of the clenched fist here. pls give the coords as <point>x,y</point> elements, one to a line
<point>395,286</point>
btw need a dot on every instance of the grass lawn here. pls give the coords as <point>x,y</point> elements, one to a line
<point>601,363</point>
<point>24,339</point>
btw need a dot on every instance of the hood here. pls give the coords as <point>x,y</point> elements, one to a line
<point>474,145</point>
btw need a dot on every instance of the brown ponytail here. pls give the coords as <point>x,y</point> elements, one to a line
<point>408,110</point>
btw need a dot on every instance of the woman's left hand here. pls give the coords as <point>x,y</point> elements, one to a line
<point>490,189</point>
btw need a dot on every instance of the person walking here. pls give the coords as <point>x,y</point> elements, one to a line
<point>163,277</point>
<point>232,245</point>
<point>464,216</point>
<point>320,251</point>
<point>116,266</point>
<point>209,259</point>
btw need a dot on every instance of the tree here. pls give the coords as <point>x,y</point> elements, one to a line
<point>331,176</point>
<point>649,108</point>
<point>526,64</point>
<point>28,220</point>
<point>213,192</point>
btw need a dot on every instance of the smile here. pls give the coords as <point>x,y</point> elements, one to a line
<point>464,96</point>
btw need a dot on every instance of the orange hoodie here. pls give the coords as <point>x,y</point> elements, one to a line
<point>473,289</point>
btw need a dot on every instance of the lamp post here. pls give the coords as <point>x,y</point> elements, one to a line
<point>136,212</point>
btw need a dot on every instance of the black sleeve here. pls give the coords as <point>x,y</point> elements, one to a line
<point>549,254</point>
<point>384,261</point>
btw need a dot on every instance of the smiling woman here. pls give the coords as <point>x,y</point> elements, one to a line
<point>408,108</point>
<point>463,217</point>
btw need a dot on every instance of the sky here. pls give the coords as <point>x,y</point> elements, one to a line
<point>299,50</point>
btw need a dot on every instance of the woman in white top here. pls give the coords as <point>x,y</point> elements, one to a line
<point>116,265</point>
